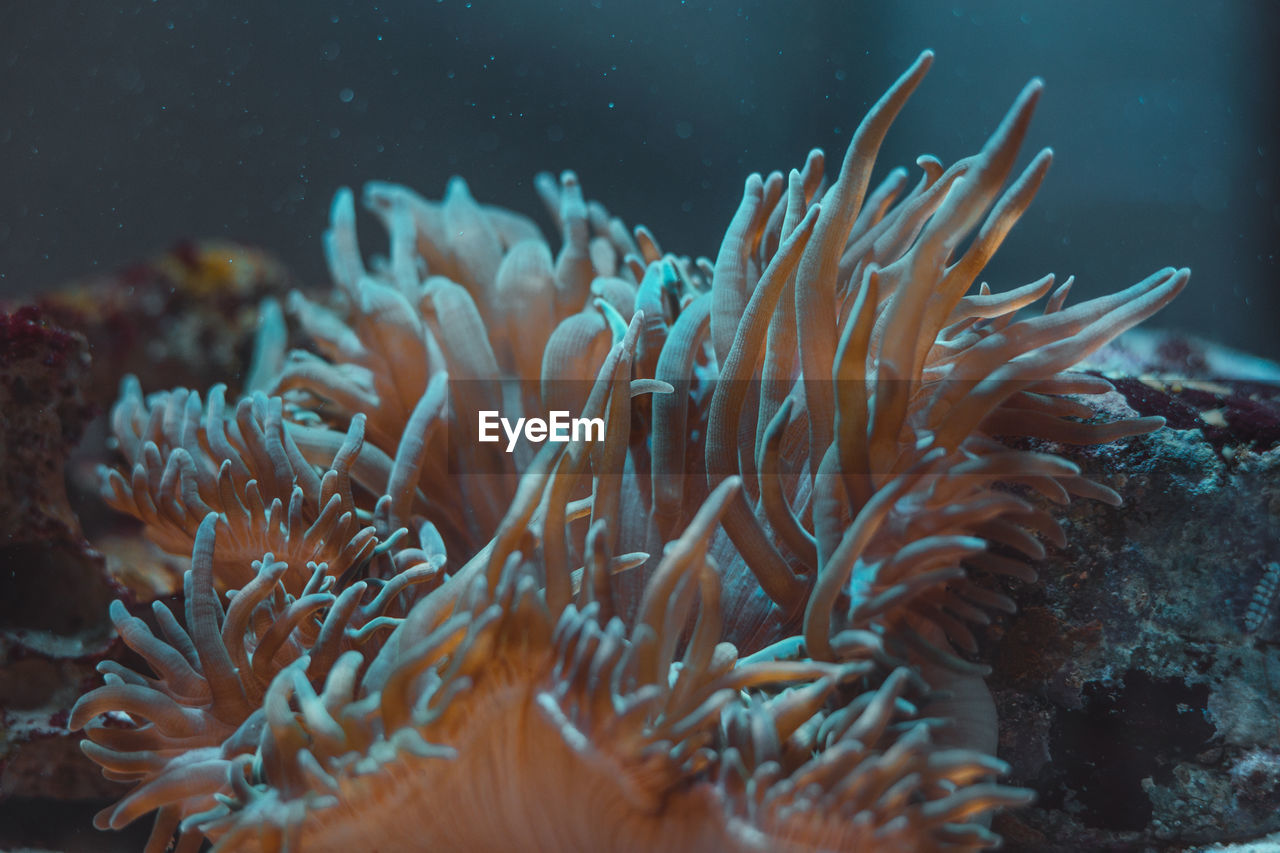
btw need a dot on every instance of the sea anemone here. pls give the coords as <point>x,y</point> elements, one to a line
<point>741,621</point>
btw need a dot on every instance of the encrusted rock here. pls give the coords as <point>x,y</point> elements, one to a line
<point>1133,694</point>
<point>52,587</point>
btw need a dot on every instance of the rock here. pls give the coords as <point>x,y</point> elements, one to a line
<point>1136,693</point>
<point>53,586</point>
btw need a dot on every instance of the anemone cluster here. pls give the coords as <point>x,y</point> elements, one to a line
<point>744,620</point>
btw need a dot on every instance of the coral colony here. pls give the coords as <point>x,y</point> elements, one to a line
<point>739,615</point>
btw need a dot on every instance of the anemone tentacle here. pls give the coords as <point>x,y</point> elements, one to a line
<point>733,623</point>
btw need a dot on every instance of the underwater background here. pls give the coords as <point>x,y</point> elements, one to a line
<point>128,126</point>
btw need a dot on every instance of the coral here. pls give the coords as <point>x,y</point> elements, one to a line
<point>178,317</point>
<point>744,620</point>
